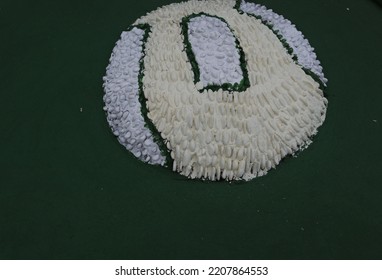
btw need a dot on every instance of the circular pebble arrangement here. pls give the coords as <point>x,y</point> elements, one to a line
<point>214,89</point>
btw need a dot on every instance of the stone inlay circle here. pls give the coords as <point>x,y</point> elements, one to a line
<point>235,129</point>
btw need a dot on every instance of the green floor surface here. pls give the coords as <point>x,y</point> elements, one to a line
<point>69,190</point>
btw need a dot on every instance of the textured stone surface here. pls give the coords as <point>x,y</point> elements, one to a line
<point>219,134</point>
<point>215,51</point>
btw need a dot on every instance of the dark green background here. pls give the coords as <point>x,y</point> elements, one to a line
<point>69,190</point>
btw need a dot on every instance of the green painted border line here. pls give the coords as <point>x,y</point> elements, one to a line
<point>143,100</point>
<point>244,83</point>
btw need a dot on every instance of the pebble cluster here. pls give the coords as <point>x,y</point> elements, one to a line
<point>211,134</point>
<point>301,47</point>
<point>121,98</point>
<point>215,51</point>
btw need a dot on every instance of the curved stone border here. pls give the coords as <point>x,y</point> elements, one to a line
<point>122,104</point>
<point>301,48</point>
